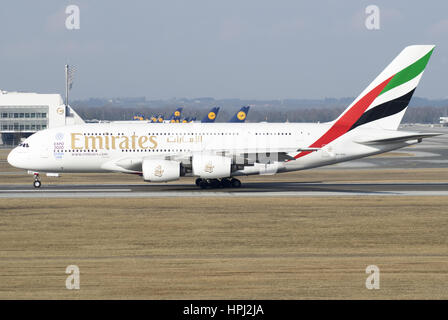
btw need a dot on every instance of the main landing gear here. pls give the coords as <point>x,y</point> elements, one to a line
<point>218,183</point>
<point>36,182</point>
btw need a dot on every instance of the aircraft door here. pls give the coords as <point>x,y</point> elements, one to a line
<point>44,152</point>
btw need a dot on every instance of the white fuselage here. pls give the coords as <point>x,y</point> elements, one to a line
<point>112,147</point>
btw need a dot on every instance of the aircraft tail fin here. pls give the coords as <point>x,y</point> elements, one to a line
<point>211,115</point>
<point>241,115</point>
<point>175,117</point>
<point>383,103</point>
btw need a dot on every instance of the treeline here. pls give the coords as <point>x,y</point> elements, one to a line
<point>256,114</point>
<point>425,114</point>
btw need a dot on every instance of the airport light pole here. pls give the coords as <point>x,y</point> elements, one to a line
<point>66,85</point>
<point>68,81</point>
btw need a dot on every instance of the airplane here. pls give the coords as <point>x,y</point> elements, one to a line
<point>217,153</point>
<point>211,115</point>
<point>241,115</point>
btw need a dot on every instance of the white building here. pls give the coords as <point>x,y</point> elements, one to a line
<point>22,114</point>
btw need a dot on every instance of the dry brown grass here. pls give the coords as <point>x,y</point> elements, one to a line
<point>220,248</point>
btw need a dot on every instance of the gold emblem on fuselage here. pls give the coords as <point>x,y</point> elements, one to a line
<point>158,171</point>
<point>209,167</point>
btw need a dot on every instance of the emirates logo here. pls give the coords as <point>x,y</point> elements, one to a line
<point>209,167</point>
<point>158,171</point>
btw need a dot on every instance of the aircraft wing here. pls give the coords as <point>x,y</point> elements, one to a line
<point>261,155</point>
<point>133,164</point>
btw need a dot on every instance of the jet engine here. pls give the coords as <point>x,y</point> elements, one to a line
<point>211,167</point>
<point>160,170</point>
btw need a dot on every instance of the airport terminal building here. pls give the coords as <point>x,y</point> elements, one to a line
<point>22,114</point>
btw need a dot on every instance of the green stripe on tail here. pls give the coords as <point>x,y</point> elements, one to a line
<point>408,73</point>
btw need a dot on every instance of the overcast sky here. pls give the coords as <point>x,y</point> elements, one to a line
<point>224,49</point>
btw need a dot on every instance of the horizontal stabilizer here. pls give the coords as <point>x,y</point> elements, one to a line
<point>400,137</point>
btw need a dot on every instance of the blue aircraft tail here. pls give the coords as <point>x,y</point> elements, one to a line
<point>211,116</point>
<point>139,116</point>
<point>175,117</point>
<point>241,115</point>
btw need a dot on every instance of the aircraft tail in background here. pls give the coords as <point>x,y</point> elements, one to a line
<point>211,115</point>
<point>175,117</point>
<point>241,115</point>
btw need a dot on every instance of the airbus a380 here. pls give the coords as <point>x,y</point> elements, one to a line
<point>217,153</point>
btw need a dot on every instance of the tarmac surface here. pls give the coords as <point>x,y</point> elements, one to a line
<point>252,189</point>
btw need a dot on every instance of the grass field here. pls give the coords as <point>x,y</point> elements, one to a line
<point>244,248</point>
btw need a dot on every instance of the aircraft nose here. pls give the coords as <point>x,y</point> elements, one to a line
<point>12,158</point>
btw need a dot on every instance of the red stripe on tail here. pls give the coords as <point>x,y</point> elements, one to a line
<point>348,119</point>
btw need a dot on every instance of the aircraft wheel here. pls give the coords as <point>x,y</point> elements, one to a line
<point>226,183</point>
<point>37,184</point>
<point>198,181</point>
<point>214,183</point>
<point>203,184</point>
<point>235,183</point>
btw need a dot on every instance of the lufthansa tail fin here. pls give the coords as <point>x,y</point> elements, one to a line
<point>241,115</point>
<point>175,117</point>
<point>211,115</point>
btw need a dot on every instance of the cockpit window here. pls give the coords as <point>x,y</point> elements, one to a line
<point>24,145</point>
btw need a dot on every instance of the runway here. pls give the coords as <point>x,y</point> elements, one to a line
<point>252,189</point>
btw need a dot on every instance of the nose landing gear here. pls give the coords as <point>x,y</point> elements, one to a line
<point>218,183</point>
<point>36,182</point>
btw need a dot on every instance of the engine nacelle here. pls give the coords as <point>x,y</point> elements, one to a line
<point>160,170</point>
<point>211,167</point>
